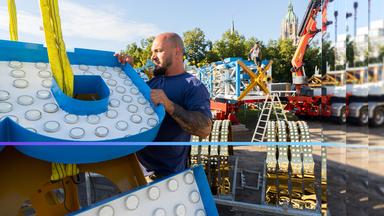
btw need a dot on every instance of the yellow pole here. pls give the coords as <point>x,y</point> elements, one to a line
<point>57,54</point>
<point>12,20</point>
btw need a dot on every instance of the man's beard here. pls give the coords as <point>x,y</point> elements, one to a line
<point>159,70</point>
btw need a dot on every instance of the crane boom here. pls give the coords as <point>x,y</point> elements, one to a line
<point>308,29</point>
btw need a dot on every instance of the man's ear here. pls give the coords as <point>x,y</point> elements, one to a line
<point>179,51</point>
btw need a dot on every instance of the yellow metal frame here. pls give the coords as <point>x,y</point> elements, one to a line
<point>314,81</point>
<point>327,79</point>
<point>25,178</point>
<point>352,79</point>
<point>330,80</point>
<point>258,79</point>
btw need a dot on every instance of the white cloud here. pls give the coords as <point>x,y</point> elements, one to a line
<point>28,23</point>
<point>94,24</point>
<point>101,24</point>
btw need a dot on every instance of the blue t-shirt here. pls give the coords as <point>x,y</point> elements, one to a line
<point>188,92</point>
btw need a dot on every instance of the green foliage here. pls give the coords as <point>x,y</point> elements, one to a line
<point>281,53</point>
<point>200,51</point>
<point>350,53</point>
<point>251,42</point>
<point>196,47</point>
<point>230,45</point>
<point>327,56</point>
<point>140,53</point>
<point>312,59</point>
<point>282,62</point>
<point>378,58</point>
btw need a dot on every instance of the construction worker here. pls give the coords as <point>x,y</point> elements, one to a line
<point>187,104</point>
<point>254,54</point>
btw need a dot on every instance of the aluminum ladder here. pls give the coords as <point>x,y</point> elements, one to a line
<point>271,102</point>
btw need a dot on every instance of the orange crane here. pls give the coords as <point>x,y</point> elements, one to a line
<point>303,104</point>
<point>308,30</point>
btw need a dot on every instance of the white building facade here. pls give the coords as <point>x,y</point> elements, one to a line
<point>365,43</point>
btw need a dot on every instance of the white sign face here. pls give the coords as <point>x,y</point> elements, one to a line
<point>177,195</point>
<point>26,98</point>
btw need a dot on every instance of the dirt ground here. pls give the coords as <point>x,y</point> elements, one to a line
<point>355,171</point>
<point>355,167</point>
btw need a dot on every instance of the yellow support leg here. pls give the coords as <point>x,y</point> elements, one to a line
<point>24,178</point>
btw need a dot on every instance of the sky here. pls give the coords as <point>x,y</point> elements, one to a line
<point>111,25</point>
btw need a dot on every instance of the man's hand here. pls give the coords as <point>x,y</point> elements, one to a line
<point>124,58</point>
<point>158,97</point>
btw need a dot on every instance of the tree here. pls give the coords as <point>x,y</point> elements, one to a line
<point>210,56</point>
<point>328,56</point>
<point>196,47</point>
<point>312,60</point>
<point>350,52</point>
<point>281,52</point>
<point>200,51</point>
<point>381,54</point>
<point>230,45</point>
<point>140,53</point>
<point>376,57</point>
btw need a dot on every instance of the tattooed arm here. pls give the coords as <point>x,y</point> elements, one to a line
<point>193,122</point>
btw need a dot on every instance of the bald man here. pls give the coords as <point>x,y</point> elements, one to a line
<point>186,102</point>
